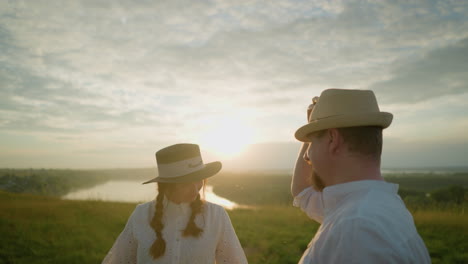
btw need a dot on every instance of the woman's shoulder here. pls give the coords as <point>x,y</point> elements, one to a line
<point>213,205</point>
<point>145,205</point>
<point>143,209</point>
<point>214,208</point>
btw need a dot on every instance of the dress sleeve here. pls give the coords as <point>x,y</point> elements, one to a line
<point>229,249</point>
<point>310,201</point>
<point>124,249</point>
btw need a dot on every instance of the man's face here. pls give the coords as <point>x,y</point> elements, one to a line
<point>316,181</point>
<point>315,154</point>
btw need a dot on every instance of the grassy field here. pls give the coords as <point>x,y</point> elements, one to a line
<point>39,229</point>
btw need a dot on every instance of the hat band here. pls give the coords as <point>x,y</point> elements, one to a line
<point>179,168</point>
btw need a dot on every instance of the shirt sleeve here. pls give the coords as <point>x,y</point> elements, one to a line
<point>229,249</point>
<point>310,201</point>
<point>124,249</point>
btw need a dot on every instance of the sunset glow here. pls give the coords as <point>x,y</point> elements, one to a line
<point>226,138</point>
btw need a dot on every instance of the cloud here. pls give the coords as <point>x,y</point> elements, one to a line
<point>439,72</point>
<point>285,48</point>
<point>36,103</point>
<point>108,70</point>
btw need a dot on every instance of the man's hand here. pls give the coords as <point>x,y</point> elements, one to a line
<point>309,111</point>
<point>311,107</point>
<point>302,170</point>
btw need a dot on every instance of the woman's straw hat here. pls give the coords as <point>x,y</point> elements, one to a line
<point>337,108</point>
<point>183,163</point>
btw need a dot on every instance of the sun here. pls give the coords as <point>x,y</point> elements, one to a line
<point>226,138</point>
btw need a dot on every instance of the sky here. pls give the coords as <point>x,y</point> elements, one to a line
<point>105,84</point>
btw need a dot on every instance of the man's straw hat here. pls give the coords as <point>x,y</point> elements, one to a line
<point>183,163</point>
<point>337,108</point>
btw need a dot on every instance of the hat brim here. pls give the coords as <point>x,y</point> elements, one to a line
<point>210,170</point>
<point>382,119</point>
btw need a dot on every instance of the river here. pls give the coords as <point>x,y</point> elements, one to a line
<point>135,192</point>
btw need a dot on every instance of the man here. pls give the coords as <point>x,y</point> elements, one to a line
<point>337,182</point>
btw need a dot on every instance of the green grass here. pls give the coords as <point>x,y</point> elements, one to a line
<point>445,234</point>
<point>38,229</point>
<point>273,234</point>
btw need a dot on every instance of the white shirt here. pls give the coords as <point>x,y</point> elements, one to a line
<point>362,222</point>
<point>218,241</point>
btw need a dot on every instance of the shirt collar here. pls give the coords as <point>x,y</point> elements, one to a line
<point>171,207</point>
<point>335,194</point>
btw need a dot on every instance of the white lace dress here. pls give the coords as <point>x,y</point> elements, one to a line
<point>218,241</point>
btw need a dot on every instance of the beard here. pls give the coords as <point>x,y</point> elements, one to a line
<point>316,181</point>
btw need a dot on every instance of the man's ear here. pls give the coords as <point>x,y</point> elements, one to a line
<point>335,141</point>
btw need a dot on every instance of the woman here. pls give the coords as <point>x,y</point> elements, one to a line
<point>178,227</point>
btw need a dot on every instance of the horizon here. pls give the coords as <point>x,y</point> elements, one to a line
<point>107,84</point>
<point>384,170</point>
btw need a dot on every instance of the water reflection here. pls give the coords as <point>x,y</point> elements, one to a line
<point>212,197</point>
<point>133,191</point>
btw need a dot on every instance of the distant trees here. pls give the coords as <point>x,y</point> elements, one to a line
<point>46,182</point>
<point>452,196</point>
<point>58,182</point>
<point>419,191</point>
<point>35,184</point>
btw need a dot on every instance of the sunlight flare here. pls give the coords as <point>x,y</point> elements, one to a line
<point>226,138</point>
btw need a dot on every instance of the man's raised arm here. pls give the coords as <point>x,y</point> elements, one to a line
<point>302,172</point>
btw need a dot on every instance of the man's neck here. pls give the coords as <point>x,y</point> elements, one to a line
<point>356,169</point>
